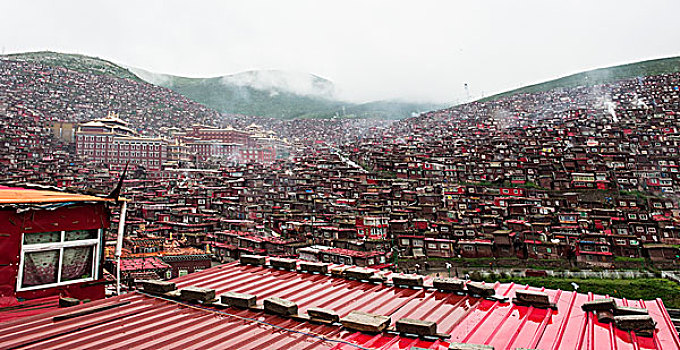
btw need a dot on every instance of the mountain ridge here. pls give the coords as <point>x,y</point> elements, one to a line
<point>279,94</point>
<point>286,95</point>
<point>265,93</point>
<point>598,76</point>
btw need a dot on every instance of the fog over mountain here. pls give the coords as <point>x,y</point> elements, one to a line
<point>273,81</point>
<point>371,50</point>
<point>279,94</point>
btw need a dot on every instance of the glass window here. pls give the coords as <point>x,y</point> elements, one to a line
<point>50,259</point>
<point>42,237</point>
<point>80,235</point>
<point>77,263</point>
<point>40,268</point>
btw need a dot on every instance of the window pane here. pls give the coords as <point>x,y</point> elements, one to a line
<point>77,263</point>
<point>80,234</point>
<point>40,268</point>
<point>42,237</point>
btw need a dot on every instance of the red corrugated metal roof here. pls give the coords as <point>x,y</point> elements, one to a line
<point>11,308</point>
<point>150,322</point>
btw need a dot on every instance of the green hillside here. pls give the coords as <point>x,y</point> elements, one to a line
<point>231,98</point>
<point>76,62</point>
<point>245,93</point>
<point>600,76</point>
<point>386,109</point>
<point>275,94</point>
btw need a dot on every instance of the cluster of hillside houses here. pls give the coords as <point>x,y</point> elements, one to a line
<point>587,175</point>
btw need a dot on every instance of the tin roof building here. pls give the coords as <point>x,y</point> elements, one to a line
<point>51,245</point>
<point>261,307</point>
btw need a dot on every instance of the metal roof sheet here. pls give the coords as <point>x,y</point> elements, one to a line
<point>11,308</point>
<point>136,320</point>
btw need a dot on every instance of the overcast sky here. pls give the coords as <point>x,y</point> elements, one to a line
<point>417,50</point>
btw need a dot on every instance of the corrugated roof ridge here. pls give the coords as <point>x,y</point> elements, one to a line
<point>250,319</point>
<point>544,324</point>
<point>565,320</point>
<point>667,318</point>
<point>454,308</point>
<point>110,327</point>
<point>587,325</point>
<point>47,323</point>
<point>486,315</point>
<point>505,318</point>
<point>263,279</point>
<point>655,334</point>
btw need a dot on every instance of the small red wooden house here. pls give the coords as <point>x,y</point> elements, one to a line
<point>51,244</point>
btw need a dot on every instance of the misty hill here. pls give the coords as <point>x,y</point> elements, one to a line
<point>600,76</point>
<point>76,62</point>
<point>278,94</point>
<point>92,90</point>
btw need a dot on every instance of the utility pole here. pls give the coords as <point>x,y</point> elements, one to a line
<point>119,244</point>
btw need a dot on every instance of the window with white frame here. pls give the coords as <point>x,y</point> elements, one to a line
<point>56,258</point>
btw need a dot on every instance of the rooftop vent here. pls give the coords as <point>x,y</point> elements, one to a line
<point>322,315</point>
<point>280,306</point>
<point>481,289</point>
<point>338,271</point>
<point>313,267</point>
<point>605,316</point>
<point>257,260</point>
<point>376,278</point>
<point>197,294</point>
<point>68,302</point>
<point>365,322</point>
<point>533,298</point>
<point>158,287</point>
<point>635,323</point>
<point>629,310</point>
<point>418,327</point>
<point>240,300</point>
<point>358,273</point>
<point>449,285</point>
<point>599,304</point>
<point>285,264</point>
<point>407,280</point>
<point>624,317</point>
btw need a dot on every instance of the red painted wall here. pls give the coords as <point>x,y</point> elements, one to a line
<point>81,216</point>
